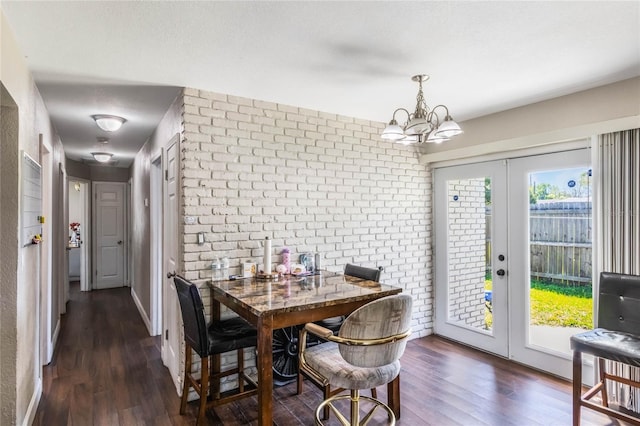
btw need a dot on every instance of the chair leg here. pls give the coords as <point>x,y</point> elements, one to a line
<point>603,389</point>
<point>326,392</point>
<point>215,372</point>
<point>355,407</point>
<point>204,389</point>
<point>577,386</point>
<point>186,385</point>
<point>240,370</point>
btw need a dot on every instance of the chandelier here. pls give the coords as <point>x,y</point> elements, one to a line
<point>424,124</point>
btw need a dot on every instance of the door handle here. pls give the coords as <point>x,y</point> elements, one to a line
<point>171,274</point>
<point>500,272</point>
<point>120,242</point>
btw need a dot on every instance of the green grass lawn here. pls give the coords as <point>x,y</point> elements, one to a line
<point>561,306</point>
<point>557,305</point>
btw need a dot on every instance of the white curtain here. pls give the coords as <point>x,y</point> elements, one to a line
<point>619,239</point>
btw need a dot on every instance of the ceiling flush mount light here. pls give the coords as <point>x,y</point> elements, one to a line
<point>424,124</point>
<point>102,157</point>
<point>109,123</point>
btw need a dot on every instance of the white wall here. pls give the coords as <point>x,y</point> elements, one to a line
<point>577,116</point>
<point>20,368</point>
<point>141,190</point>
<point>75,203</point>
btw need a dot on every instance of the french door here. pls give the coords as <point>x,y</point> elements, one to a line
<point>471,249</point>
<point>513,256</point>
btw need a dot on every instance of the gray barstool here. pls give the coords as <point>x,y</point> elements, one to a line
<point>365,354</point>
<point>334,323</point>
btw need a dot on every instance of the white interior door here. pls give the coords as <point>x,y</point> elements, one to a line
<point>470,213</point>
<point>171,311</point>
<point>109,238</point>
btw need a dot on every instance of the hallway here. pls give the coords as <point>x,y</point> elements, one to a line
<point>106,369</point>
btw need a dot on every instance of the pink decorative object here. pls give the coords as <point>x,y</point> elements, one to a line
<point>286,260</point>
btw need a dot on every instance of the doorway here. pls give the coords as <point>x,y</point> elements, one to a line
<point>79,232</point>
<point>513,256</point>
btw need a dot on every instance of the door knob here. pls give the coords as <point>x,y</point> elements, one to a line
<point>120,242</point>
<point>171,274</point>
<point>500,272</point>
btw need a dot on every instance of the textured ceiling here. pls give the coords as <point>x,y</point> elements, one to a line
<point>350,58</point>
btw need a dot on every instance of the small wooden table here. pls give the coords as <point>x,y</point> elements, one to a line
<point>270,305</point>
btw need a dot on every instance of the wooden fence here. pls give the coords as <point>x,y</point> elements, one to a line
<point>560,241</point>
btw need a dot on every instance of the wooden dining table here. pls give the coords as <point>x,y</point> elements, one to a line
<point>292,300</point>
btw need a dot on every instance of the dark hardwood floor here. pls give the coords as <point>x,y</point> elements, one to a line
<point>106,370</point>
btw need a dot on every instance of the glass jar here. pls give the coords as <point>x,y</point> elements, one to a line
<point>224,265</point>
<point>216,269</point>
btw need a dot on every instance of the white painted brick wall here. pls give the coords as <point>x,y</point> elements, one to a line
<point>467,251</point>
<point>311,181</point>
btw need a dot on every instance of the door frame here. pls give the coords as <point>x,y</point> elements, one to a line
<point>46,255</point>
<point>128,273</point>
<point>170,331</point>
<point>85,261</point>
<point>586,142</point>
<point>94,241</point>
<point>63,275</point>
<point>157,249</point>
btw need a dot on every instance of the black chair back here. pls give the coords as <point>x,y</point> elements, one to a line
<point>195,325</point>
<point>372,274</point>
<point>619,302</point>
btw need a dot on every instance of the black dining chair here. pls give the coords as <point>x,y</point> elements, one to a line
<point>334,324</point>
<point>371,274</point>
<point>211,340</point>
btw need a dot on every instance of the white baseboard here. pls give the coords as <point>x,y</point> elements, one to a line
<point>143,314</point>
<point>30,415</point>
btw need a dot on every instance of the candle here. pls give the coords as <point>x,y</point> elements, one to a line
<point>267,256</point>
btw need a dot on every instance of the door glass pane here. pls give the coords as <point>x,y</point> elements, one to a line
<point>469,287</point>
<point>560,290</point>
